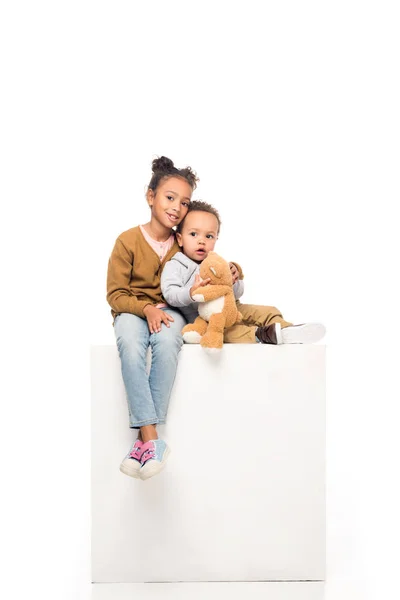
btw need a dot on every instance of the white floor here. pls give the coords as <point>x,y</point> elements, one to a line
<point>211,591</point>
<point>331,590</point>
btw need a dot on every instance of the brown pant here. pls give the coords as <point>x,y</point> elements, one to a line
<point>253,316</point>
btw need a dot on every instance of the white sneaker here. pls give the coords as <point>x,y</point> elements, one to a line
<point>307,333</point>
<point>131,464</point>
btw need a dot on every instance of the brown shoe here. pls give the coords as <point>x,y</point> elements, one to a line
<point>269,334</point>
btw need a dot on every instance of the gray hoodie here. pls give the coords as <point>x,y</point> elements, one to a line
<point>176,280</point>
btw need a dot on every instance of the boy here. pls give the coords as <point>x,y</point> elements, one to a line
<point>197,235</point>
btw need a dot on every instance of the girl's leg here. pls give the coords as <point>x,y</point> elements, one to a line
<point>147,433</point>
<point>165,347</point>
<point>133,337</point>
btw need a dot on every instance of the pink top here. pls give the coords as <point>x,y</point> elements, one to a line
<point>160,248</point>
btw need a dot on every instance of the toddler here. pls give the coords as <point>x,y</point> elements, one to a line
<point>196,235</point>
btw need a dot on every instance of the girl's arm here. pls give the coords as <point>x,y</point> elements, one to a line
<point>119,296</point>
<point>173,288</point>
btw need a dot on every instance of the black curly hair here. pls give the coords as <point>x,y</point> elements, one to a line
<point>202,206</point>
<point>163,168</point>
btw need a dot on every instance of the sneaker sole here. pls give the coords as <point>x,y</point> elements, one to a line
<point>129,471</point>
<point>154,467</point>
<point>309,333</point>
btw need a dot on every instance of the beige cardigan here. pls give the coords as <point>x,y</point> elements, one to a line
<point>134,274</point>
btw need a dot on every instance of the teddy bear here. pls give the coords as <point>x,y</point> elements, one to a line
<point>217,305</point>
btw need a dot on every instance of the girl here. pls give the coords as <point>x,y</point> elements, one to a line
<point>141,318</point>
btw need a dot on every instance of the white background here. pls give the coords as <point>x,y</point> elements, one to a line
<point>288,111</point>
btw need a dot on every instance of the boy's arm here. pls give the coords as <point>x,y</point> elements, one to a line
<point>119,296</point>
<point>238,289</point>
<point>172,285</point>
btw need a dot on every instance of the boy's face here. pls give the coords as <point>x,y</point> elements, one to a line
<point>199,235</point>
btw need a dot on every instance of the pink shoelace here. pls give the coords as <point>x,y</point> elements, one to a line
<point>136,451</point>
<point>148,451</point>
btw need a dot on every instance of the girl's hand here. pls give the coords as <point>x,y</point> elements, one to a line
<point>235,273</point>
<point>199,282</point>
<point>156,316</point>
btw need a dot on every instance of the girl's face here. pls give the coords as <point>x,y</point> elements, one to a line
<point>199,235</point>
<point>170,203</point>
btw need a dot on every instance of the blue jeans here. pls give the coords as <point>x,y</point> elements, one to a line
<point>148,395</point>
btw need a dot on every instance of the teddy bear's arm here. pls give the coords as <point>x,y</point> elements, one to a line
<point>210,292</point>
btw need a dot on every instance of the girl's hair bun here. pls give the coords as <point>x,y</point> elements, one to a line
<point>163,165</point>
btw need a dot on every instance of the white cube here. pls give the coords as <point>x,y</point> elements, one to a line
<point>242,497</point>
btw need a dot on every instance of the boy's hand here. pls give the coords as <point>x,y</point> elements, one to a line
<point>156,316</point>
<point>235,273</point>
<point>198,282</point>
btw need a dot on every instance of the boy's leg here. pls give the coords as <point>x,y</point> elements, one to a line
<point>132,334</point>
<point>240,334</point>
<point>165,347</point>
<point>254,314</point>
<point>271,327</point>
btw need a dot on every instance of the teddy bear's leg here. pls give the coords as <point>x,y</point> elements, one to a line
<point>192,333</point>
<point>213,340</point>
